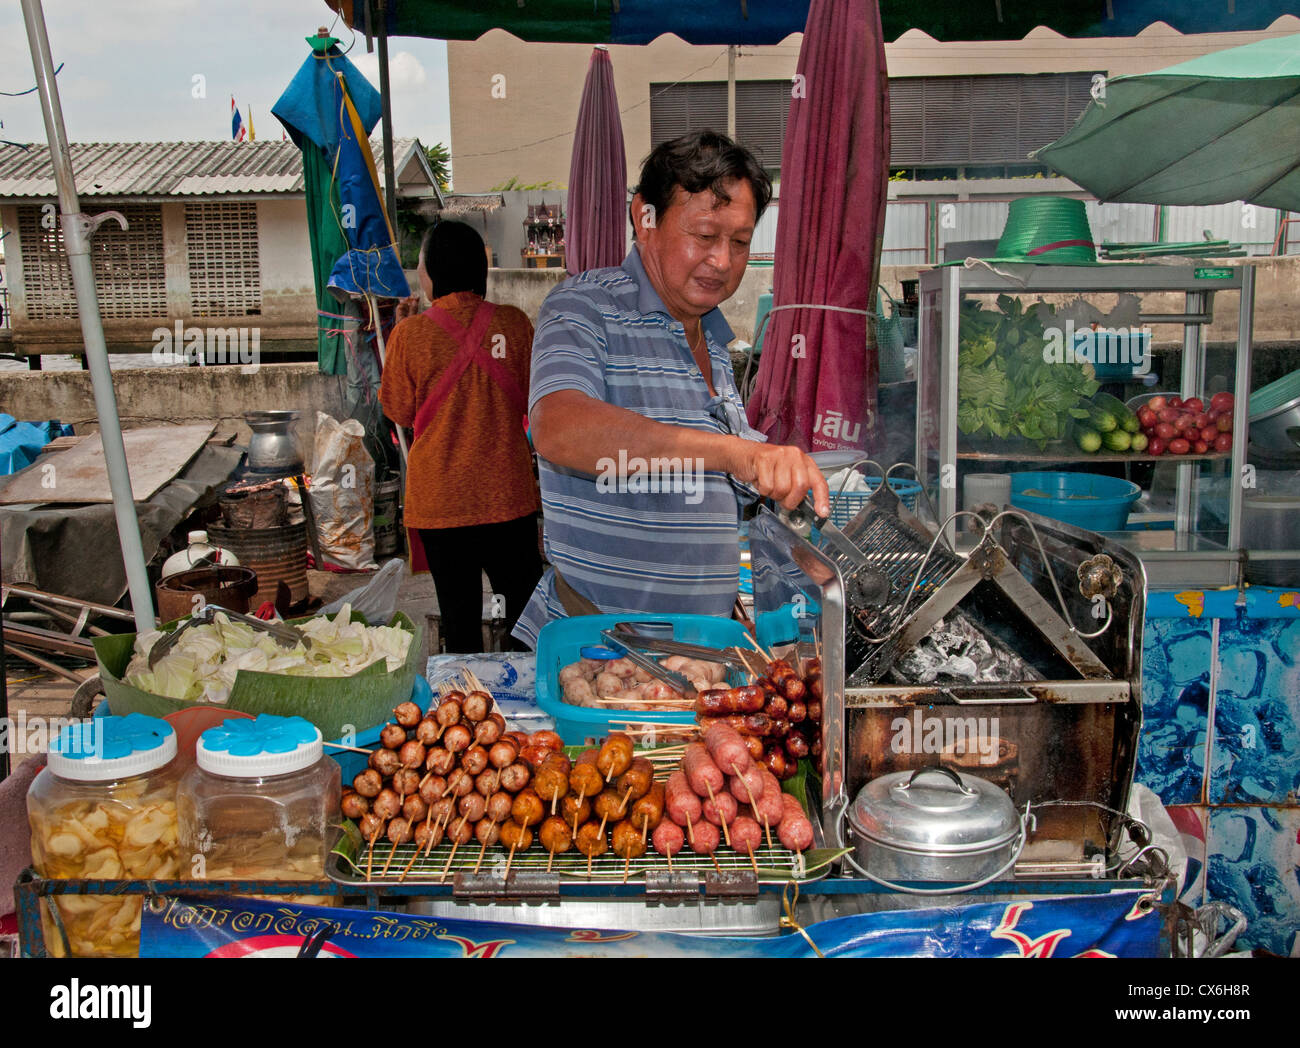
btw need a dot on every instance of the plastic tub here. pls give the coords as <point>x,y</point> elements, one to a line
<point>558,645</point>
<point>1268,523</point>
<point>1086,500</point>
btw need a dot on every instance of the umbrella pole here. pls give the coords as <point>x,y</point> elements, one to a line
<point>77,229</point>
<point>379,339</point>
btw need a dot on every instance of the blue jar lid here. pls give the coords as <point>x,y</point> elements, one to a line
<point>265,745</point>
<point>108,748</point>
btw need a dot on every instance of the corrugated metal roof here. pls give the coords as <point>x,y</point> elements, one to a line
<point>124,170</point>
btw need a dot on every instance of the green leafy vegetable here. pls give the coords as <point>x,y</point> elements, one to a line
<point>1006,387</point>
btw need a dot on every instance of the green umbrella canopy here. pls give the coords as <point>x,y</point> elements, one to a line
<point>1222,127</point>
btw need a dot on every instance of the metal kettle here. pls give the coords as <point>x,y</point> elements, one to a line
<point>273,449</point>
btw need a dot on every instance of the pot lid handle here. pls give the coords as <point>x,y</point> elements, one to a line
<point>941,769</point>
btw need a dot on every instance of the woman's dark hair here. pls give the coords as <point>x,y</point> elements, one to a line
<point>454,259</point>
<point>699,161</point>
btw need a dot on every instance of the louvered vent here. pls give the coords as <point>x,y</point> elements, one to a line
<point>130,278</point>
<point>221,248</point>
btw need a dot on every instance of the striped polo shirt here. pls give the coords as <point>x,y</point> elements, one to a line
<point>663,537</point>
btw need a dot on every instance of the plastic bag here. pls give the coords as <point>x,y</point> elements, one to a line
<point>342,494</point>
<point>377,599</point>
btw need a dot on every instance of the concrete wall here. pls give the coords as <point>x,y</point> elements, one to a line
<point>529,132</point>
<point>284,258</point>
<point>526,288</point>
<point>175,395</point>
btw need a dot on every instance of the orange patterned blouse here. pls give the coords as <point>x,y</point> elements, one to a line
<point>472,464</point>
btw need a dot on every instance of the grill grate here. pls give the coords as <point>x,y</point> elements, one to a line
<point>775,865</point>
<point>899,551</point>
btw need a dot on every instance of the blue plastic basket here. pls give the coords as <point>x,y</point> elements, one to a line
<point>1086,500</point>
<point>850,503</point>
<point>558,645</point>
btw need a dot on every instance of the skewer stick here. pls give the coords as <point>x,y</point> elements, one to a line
<point>601,832</point>
<point>428,843</point>
<point>623,807</point>
<point>588,864</point>
<point>725,832</point>
<point>714,857</point>
<point>391,852</point>
<point>576,812</point>
<point>484,848</point>
<point>690,830</point>
<point>669,854</point>
<point>370,854</point>
<point>550,858</point>
<point>627,864</point>
<point>752,861</point>
<point>454,845</point>
<point>510,860</point>
<point>554,798</point>
<point>351,749</point>
<point>645,828</point>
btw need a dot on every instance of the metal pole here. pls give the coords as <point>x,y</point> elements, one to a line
<point>390,176</point>
<point>731,92</point>
<point>76,238</point>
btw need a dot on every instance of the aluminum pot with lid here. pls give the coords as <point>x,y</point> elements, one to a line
<point>273,448</point>
<point>934,824</point>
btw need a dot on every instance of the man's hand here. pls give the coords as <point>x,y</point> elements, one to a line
<point>406,307</point>
<point>783,473</point>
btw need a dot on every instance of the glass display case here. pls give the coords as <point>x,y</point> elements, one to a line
<point>1029,372</point>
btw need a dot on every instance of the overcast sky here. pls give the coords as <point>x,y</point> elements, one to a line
<point>129,68</point>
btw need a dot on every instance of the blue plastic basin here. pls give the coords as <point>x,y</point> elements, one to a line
<point>558,645</point>
<point>1086,500</point>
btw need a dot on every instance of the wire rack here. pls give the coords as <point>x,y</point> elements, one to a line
<point>899,551</point>
<point>775,864</point>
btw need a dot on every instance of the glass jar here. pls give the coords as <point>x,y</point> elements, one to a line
<point>261,803</point>
<point>104,808</point>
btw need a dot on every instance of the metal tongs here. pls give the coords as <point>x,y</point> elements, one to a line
<point>629,637</point>
<point>867,585</point>
<point>620,644</point>
<point>282,633</point>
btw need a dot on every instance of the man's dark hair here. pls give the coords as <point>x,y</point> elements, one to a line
<point>454,259</point>
<point>699,161</point>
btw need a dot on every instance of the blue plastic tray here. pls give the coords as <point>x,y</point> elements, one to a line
<point>558,645</point>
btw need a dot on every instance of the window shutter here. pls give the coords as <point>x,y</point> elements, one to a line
<point>221,250</point>
<point>130,278</point>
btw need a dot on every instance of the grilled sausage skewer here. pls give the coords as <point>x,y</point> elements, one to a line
<point>725,832</point>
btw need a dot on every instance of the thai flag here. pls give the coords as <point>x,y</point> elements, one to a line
<point>237,129</point>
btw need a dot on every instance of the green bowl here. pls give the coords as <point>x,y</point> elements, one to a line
<point>336,705</point>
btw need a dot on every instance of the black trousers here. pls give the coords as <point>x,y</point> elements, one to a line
<point>457,559</point>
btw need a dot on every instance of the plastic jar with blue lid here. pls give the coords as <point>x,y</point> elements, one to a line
<point>261,803</point>
<point>104,808</point>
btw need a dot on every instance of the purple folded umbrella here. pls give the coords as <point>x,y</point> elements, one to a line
<point>595,235</point>
<point>818,376</point>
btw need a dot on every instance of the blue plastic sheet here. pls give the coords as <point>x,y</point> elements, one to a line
<point>21,442</point>
<point>1118,924</point>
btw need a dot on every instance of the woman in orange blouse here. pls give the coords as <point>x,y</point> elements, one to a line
<point>458,375</point>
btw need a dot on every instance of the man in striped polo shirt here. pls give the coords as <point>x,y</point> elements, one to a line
<point>645,456</point>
